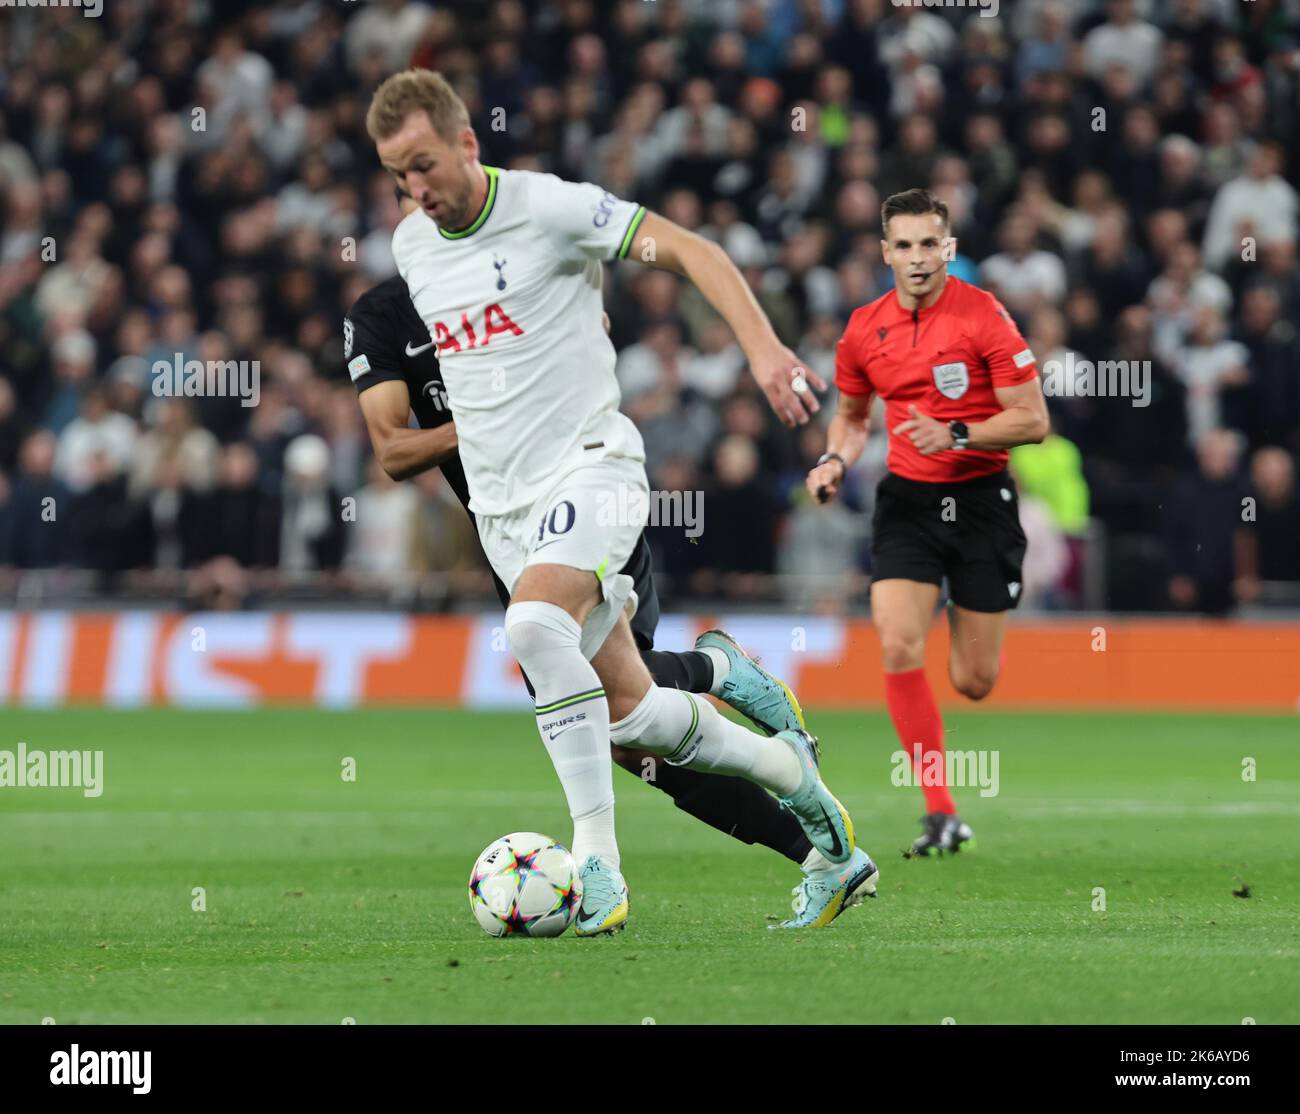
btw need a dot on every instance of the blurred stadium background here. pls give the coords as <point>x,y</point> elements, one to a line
<point>187,177</point>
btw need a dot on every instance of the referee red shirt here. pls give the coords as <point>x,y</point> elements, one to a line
<point>946,360</point>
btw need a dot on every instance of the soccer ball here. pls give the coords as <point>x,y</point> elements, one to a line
<point>524,884</point>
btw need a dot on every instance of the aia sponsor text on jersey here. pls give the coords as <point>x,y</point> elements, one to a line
<point>465,337</point>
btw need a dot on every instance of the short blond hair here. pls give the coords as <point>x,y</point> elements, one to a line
<point>416,91</point>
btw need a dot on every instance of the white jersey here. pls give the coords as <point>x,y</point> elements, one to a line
<point>513,303</point>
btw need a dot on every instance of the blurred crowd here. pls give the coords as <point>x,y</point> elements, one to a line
<point>192,181</point>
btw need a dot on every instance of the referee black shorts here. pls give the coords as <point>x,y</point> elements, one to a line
<point>968,532</point>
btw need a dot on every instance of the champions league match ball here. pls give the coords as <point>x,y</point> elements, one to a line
<point>524,884</point>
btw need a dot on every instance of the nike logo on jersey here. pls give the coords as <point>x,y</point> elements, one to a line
<point>416,351</point>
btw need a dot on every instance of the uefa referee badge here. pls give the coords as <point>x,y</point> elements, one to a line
<point>953,380</point>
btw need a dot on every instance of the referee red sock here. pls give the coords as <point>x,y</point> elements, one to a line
<point>917,721</point>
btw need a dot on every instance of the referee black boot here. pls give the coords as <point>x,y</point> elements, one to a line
<point>940,832</point>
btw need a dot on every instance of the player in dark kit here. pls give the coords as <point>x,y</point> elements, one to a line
<point>960,387</point>
<point>395,370</point>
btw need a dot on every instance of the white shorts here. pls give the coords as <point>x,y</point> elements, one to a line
<point>590,520</point>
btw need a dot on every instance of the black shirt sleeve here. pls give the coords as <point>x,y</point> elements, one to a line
<point>372,348</point>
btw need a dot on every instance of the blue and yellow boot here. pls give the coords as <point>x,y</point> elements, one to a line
<point>824,820</point>
<point>824,894</point>
<point>604,898</point>
<point>766,701</point>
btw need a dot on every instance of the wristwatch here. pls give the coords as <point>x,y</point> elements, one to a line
<point>960,434</point>
<point>825,457</point>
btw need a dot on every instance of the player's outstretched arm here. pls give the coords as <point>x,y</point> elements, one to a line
<point>845,441</point>
<point>661,243</point>
<point>403,452</point>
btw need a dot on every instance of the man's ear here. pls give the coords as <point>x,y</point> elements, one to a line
<point>884,250</point>
<point>469,143</point>
<point>949,250</point>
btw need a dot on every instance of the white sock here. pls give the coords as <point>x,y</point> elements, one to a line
<point>572,718</point>
<point>721,668</point>
<point>687,730</point>
<point>816,861</point>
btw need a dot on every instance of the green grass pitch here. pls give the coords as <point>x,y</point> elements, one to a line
<point>328,899</point>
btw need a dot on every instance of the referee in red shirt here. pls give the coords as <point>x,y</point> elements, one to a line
<point>961,388</point>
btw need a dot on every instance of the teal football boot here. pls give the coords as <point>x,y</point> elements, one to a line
<point>604,899</point>
<point>824,894</point>
<point>824,820</point>
<point>766,701</point>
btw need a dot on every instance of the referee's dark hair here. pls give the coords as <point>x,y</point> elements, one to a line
<point>913,203</point>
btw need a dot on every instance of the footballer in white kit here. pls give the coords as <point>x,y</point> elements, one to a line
<point>505,268</point>
<point>513,302</point>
